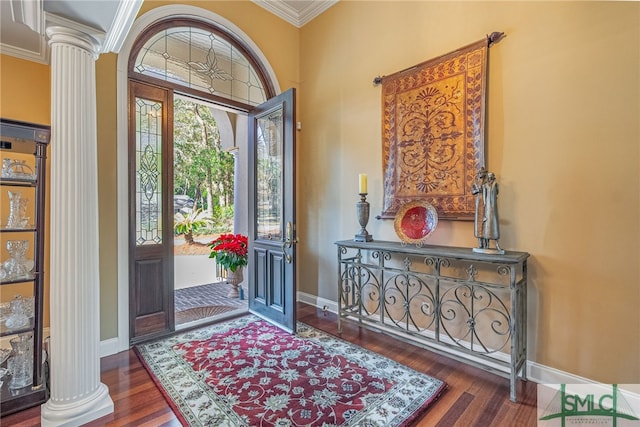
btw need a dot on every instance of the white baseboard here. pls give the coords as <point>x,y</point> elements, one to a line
<point>316,301</point>
<point>109,347</point>
<point>536,372</point>
<point>542,374</point>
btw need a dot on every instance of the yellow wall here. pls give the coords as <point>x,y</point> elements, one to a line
<point>107,193</point>
<point>25,93</point>
<point>25,87</point>
<point>563,140</point>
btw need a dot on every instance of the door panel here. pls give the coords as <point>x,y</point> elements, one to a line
<point>259,275</point>
<point>148,273</point>
<point>278,274</point>
<point>272,287</point>
<point>150,212</point>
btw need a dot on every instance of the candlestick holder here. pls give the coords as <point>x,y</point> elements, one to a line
<point>362,210</point>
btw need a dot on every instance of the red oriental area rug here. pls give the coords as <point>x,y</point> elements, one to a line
<point>247,372</point>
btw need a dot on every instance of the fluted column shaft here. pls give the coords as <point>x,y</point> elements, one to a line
<point>77,396</point>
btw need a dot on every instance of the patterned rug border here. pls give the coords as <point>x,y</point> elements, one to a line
<point>304,331</point>
<point>160,387</point>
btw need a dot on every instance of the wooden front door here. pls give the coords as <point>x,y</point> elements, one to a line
<point>272,234</point>
<point>151,304</point>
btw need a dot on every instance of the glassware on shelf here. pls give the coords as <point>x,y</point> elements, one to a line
<point>18,317</point>
<point>17,210</point>
<point>5,311</point>
<point>3,372</point>
<point>4,355</point>
<point>17,169</point>
<point>28,306</point>
<point>21,363</point>
<point>23,226</point>
<point>6,167</point>
<point>17,266</point>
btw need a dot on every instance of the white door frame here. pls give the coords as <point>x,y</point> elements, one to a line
<point>143,22</point>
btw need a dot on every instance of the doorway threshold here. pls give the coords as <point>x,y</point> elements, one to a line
<point>212,319</point>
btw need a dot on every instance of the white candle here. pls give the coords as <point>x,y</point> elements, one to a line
<point>362,180</point>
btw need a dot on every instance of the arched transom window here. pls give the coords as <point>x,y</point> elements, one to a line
<point>202,58</point>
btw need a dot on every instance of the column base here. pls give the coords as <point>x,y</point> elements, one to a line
<point>77,413</point>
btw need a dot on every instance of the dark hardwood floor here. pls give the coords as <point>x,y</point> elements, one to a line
<point>473,398</point>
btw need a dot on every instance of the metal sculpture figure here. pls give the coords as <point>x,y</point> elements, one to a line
<point>486,226</point>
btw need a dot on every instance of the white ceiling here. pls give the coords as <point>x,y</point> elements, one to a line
<point>111,17</point>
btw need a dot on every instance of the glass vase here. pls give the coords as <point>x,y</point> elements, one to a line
<point>17,210</point>
<point>18,317</point>
<point>16,266</point>
<point>21,363</point>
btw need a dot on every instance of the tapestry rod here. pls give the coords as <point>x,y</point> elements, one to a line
<point>492,39</point>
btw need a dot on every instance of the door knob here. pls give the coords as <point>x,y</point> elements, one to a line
<point>289,241</point>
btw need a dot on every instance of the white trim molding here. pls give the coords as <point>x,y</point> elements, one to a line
<point>316,301</point>
<point>41,56</point>
<point>536,372</point>
<point>109,346</point>
<point>121,24</point>
<point>295,15</point>
<point>29,13</point>
<point>174,11</point>
<point>542,374</point>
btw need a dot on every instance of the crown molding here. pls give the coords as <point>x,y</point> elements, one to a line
<point>296,16</point>
<point>29,13</point>
<point>122,22</point>
<point>41,55</point>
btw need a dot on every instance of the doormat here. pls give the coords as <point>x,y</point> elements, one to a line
<point>197,313</point>
<point>248,372</point>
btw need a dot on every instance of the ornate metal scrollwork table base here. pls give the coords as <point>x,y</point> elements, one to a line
<point>469,305</point>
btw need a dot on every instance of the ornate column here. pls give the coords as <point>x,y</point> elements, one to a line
<point>77,395</point>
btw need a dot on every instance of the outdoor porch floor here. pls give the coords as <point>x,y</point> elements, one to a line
<point>205,301</point>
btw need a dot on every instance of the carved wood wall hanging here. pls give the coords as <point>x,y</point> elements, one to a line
<point>433,118</point>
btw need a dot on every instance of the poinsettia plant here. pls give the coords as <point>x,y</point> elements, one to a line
<point>230,251</point>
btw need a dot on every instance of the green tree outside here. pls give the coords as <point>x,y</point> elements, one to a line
<point>202,169</point>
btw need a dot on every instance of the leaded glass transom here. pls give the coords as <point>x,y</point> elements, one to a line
<point>201,60</point>
<point>148,172</point>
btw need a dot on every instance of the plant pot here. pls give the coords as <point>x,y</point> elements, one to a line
<point>234,278</point>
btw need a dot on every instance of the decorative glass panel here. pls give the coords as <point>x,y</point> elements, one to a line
<point>201,60</point>
<point>269,176</point>
<point>148,172</point>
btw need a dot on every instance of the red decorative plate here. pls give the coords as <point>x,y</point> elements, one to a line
<point>415,222</point>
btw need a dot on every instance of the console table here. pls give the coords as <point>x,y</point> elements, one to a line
<point>468,305</point>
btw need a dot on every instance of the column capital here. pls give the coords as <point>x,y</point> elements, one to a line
<point>62,30</point>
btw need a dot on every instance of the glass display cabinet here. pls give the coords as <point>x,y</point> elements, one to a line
<point>23,152</point>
